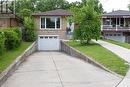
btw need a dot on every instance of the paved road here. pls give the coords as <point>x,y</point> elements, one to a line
<point>55,69</point>
<point>123,53</point>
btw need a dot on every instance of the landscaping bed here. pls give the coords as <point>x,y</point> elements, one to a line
<point>9,56</point>
<point>103,56</point>
<point>122,44</point>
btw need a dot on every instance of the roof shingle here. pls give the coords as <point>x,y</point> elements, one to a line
<point>58,12</point>
<point>118,13</point>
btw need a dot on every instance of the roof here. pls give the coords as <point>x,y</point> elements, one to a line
<point>118,13</point>
<point>58,12</point>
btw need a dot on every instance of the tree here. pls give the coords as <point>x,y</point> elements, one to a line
<point>25,13</point>
<point>88,19</point>
<point>97,5</point>
<point>29,32</point>
<point>46,5</point>
<point>24,7</point>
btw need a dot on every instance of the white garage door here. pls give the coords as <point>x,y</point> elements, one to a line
<point>48,42</point>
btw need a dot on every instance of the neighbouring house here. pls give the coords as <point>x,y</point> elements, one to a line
<point>116,25</point>
<point>52,26</point>
<point>9,19</point>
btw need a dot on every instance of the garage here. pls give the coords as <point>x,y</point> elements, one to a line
<point>48,42</point>
<point>115,36</point>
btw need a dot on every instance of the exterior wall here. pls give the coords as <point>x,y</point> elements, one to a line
<point>3,22</point>
<point>13,22</point>
<point>61,32</point>
<point>8,22</point>
<point>127,35</point>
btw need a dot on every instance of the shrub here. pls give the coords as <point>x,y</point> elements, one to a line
<point>17,30</point>
<point>2,42</point>
<point>13,38</point>
<point>76,34</point>
<point>29,32</point>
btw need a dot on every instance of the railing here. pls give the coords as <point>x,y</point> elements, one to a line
<point>115,27</point>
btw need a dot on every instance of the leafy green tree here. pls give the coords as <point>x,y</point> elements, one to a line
<point>97,5</point>
<point>25,13</point>
<point>29,32</point>
<point>46,5</point>
<point>27,6</point>
<point>88,19</point>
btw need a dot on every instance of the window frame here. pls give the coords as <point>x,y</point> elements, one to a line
<point>55,23</point>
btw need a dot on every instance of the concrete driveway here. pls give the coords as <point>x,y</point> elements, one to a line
<point>56,69</point>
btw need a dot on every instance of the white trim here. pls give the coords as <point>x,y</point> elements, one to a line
<point>124,22</point>
<point>48,35</point>
<point>45,23</point>
<point>55,23</point>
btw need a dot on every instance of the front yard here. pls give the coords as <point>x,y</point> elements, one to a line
<point>125,45</point>
<point>9,56</point>
<point>103,56</point>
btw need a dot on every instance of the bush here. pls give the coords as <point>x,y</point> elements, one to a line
<point>17,30</point>
<point>13,38</point>
<point>29,32</point>
<point>76,34</point>
<point>2,42</point>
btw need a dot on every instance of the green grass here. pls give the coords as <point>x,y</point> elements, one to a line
<point>103,56</point>
<point>125,45</point>
<point>9,56</point>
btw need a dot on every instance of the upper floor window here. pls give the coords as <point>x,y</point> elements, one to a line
<point>50,22</point>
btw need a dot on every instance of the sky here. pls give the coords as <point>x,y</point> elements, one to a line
<point>110,5</point>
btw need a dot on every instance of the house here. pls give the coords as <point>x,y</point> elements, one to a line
<point>116,25</point>
<point>9,20</point>
<point>51,27</point>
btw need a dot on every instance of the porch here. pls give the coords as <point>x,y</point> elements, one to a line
<point>116,24</point>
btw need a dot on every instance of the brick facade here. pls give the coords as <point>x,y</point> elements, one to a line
<point>61,32</point>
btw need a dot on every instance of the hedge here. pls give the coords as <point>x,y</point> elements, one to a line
<point>10,38</point>
<point>2,42</point>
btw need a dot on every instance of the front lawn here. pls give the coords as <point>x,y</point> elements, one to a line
<point>125,45</point>
<point>9,56</point>
<point>103,56</point>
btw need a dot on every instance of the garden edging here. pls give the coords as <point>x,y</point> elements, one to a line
<point>8,72</point>
<point>75,53</point>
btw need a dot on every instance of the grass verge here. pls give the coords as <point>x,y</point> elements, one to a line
<point>9,56</point>
<point>122,44</point>
<point>103,56</point>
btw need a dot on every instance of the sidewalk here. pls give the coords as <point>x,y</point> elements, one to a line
<point>123,53</point>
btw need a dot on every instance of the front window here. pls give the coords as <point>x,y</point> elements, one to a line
<point>50,22</point>
<point>42,22</point>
